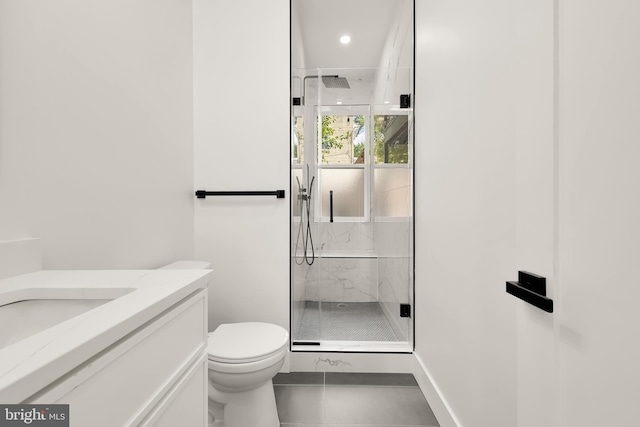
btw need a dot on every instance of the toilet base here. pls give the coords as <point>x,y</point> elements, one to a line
<point>256,408</point>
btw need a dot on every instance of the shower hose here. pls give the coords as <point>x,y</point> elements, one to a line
<point>304,231</point>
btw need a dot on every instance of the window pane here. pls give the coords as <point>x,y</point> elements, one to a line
<point>348,192</point>
<point>343,139</point>
<point>391,139</point>
<point>297,141</point>
<point>392,192</point>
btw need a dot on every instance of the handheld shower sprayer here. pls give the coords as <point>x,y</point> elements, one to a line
<point>304,230</point>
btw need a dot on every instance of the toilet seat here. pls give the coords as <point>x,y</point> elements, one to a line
<point>246,342</point>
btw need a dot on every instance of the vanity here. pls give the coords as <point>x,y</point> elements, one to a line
<point>122,348</point>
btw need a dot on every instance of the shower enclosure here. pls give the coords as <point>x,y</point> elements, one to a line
<point>352,176</point>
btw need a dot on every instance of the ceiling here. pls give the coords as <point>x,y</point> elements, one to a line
<point>323,22</point>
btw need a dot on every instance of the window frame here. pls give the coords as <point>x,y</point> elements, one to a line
<point>380,110</point>
<point>318,166</point>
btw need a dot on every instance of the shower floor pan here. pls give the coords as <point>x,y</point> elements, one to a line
<point>347,327</point>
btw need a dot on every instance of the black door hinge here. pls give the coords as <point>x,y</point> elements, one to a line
<point>405,310</point>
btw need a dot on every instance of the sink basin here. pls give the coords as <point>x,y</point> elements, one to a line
<point>24,314</point>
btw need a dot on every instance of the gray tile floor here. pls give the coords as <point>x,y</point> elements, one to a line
<point>315,399</point>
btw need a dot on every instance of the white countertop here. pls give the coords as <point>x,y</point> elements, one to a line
<point>35,362</point>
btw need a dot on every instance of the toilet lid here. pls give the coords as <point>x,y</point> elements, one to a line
<point>244,342</point>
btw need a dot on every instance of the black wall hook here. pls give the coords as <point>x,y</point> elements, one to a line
<point>532,289</point>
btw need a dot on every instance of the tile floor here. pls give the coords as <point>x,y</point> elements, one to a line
<point>318,399</point>
<point>344,321</point>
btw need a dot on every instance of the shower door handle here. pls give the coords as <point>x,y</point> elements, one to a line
<point>330,205</point>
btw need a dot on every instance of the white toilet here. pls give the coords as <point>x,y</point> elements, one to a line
<point>243,359</point>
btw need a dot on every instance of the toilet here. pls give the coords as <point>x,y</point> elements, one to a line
<point>243,359</point>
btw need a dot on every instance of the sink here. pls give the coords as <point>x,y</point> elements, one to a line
<point>24,314</point>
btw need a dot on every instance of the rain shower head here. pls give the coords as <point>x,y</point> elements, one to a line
<point>329,82</point>
<point>335,82</point>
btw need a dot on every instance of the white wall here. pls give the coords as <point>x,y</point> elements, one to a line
<point>536,178</point>
<point>577,156</point>
<point>465,206</point>
<point>571,130</point>
<point>96,130</point>
<point>599,207</point>
<point>393,77</point>
<point>242,139</point>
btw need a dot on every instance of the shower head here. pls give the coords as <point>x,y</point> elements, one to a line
<point>330,82</point>
<point>335,82</point>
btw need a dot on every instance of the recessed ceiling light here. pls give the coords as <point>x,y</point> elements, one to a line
<point>386,102</point>
<point>345,39</point>
<point>339,102</point>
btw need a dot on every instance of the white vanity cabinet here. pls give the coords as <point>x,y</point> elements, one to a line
<point>156,375</point>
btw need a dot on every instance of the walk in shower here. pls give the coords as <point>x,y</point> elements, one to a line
<point>352,175</point>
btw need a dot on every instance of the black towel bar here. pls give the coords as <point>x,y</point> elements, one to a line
<point>201,194</point>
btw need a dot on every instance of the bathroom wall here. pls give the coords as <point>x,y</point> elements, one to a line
<point>301,273</point>
<point>297,272</point>
<point>393,76</point>
<point>598,208</point>
<point>557,198</point>
<point>347,268</point>
<point>465,210</point>
<point>96,131</point>
<point>242,139</point>
<point>393,247</point>
<point>536,179</point>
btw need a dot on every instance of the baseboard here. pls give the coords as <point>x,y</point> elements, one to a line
<point>439,405</point>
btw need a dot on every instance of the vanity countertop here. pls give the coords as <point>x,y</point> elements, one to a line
<point>29,365</point>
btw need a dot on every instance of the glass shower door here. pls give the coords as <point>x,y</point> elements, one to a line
<point>352,184</point>
<point>351,222</point>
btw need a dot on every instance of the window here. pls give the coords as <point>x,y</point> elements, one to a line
<point>343,140</point>
<point>391,139</point>
<point>392,175</point>
<point>342,163</point>
<point>297,141</point>
<point>363,163</point>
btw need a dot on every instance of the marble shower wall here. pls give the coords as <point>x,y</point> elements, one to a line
<point>299,270</point>
<point>347,268</point>
<point>356,262</point>
<point>340,279</point>
<point>346,238</point>
<point>395,269</point>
